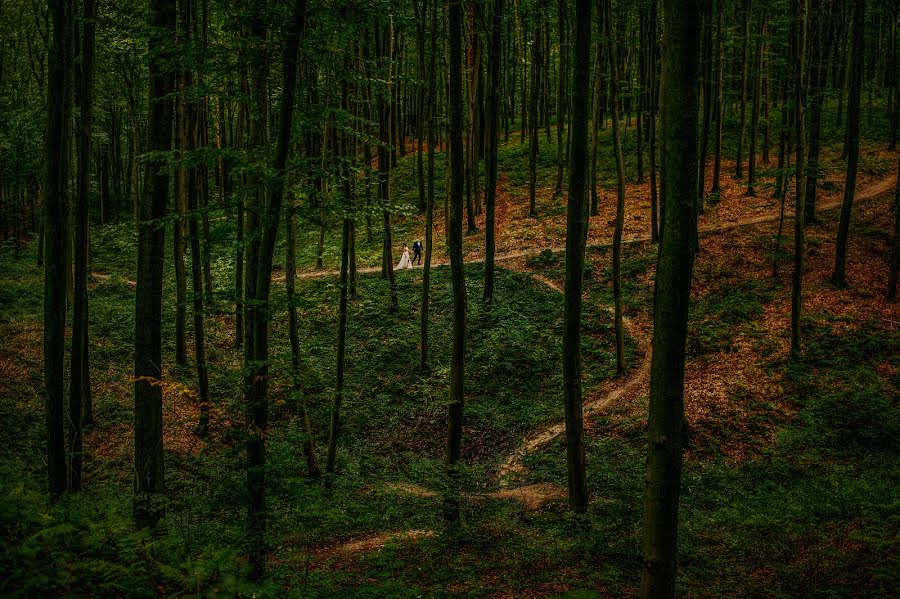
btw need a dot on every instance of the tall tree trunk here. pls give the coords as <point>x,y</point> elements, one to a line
<point>534,118</point>
<point>490,192</point>
<point>457,273</point>
<point>754,113</point>
<point>852,145</point>
<point>620,187</point>
<point>429,208</point>
<point>197,281</point>
<point>720,96</point>
<point>576,235</point>
<point>739,162</point>
<point>706,83</point>
<point>258,354</point>
<point>148,440</point>
<point>56,172</point>
<point>800,207</point>
<point>420,99</point>
<point>80,408</point>
<point>817,74</point>
<point>562,93</point>
<point>595,117</point>
<point>342,306</point>
<point>895,252</point>
<point>674,270</point>
<point>182,82</point>
<point>654,104</point>
<point>290,278</point>
<point>384,49</point>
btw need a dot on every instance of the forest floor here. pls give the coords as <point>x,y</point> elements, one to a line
<point>790,485</point>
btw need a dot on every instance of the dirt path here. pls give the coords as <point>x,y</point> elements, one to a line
<point>513,468</point>
<point>536,496</point>
<point>872,190</point>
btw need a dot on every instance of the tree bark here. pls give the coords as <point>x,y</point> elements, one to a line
<point>576,235</point>
<point>739,163</point>
<point>80,409</point>
<point>852,144</point>
<point>754,112</point>
<point>385,50</point>
<point>671,299</point>
<point>490,192</point>
<point>258,354</point>
<point>895,253</point>
<point>431,97</point>
<point>720,96</point>
<point>799,219</point>
<point>457,273</point>
<point>534,118</point>
<point>56,172</point>
<point>148,441</point>
<point>620,188</point>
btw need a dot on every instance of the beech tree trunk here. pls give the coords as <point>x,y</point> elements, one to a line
<point>431,97</point>
<point>148,442</point>
<point>534,117</point>
<point>576,234</point>
<point>739,162</point>
<point>620,188</point>
<point>258,345</point>
<point>80,412</point>
<point>457,273</point>
<point>659,539</point>
<point>56,174</point>
<point>490,192</point>
<point>800,207</point>
<point>852,144</point>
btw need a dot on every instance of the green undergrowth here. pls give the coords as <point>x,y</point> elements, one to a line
<point>393,426</point>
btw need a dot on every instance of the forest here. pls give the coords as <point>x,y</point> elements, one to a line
<point>439,298</point>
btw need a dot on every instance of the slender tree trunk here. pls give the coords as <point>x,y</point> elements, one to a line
<point>754,113</point>
<point>290,278</point>
<point>595,117</point>
<point>576,234</point>
<point>490,192</point>
<point>182,82</point>
<point>80,408</point>
<point>659,539</point>
<point>56,171</point>
<point>720,96</point>
<point>148,440</point>
<point>342,311</point>
<point>654,103</point>
<point>620,202</point>
<point>534,124</point>
<point>799,219</point>
<point>817,73</point>
<point>197,281</point>
<point>706,83</point>
<point>895,253</point>
<point>739,163</point>
<point>562,93</point>
<point>429,208</point>
<point>457,274</point>
<point>852,145</point>
<point>385,50</point>
<point>420,99</point>
<point>257,365</point>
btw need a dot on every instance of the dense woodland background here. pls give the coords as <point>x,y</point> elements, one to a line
<point>653,346</point>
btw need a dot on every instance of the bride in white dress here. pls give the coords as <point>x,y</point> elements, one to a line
<point>404,261</point>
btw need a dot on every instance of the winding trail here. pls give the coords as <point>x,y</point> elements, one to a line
<point>536,496</point>
<point>873,190</point>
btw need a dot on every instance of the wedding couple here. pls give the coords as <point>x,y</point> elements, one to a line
<point>405,262</point>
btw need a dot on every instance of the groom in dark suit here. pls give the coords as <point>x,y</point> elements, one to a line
<point>417,252</point>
